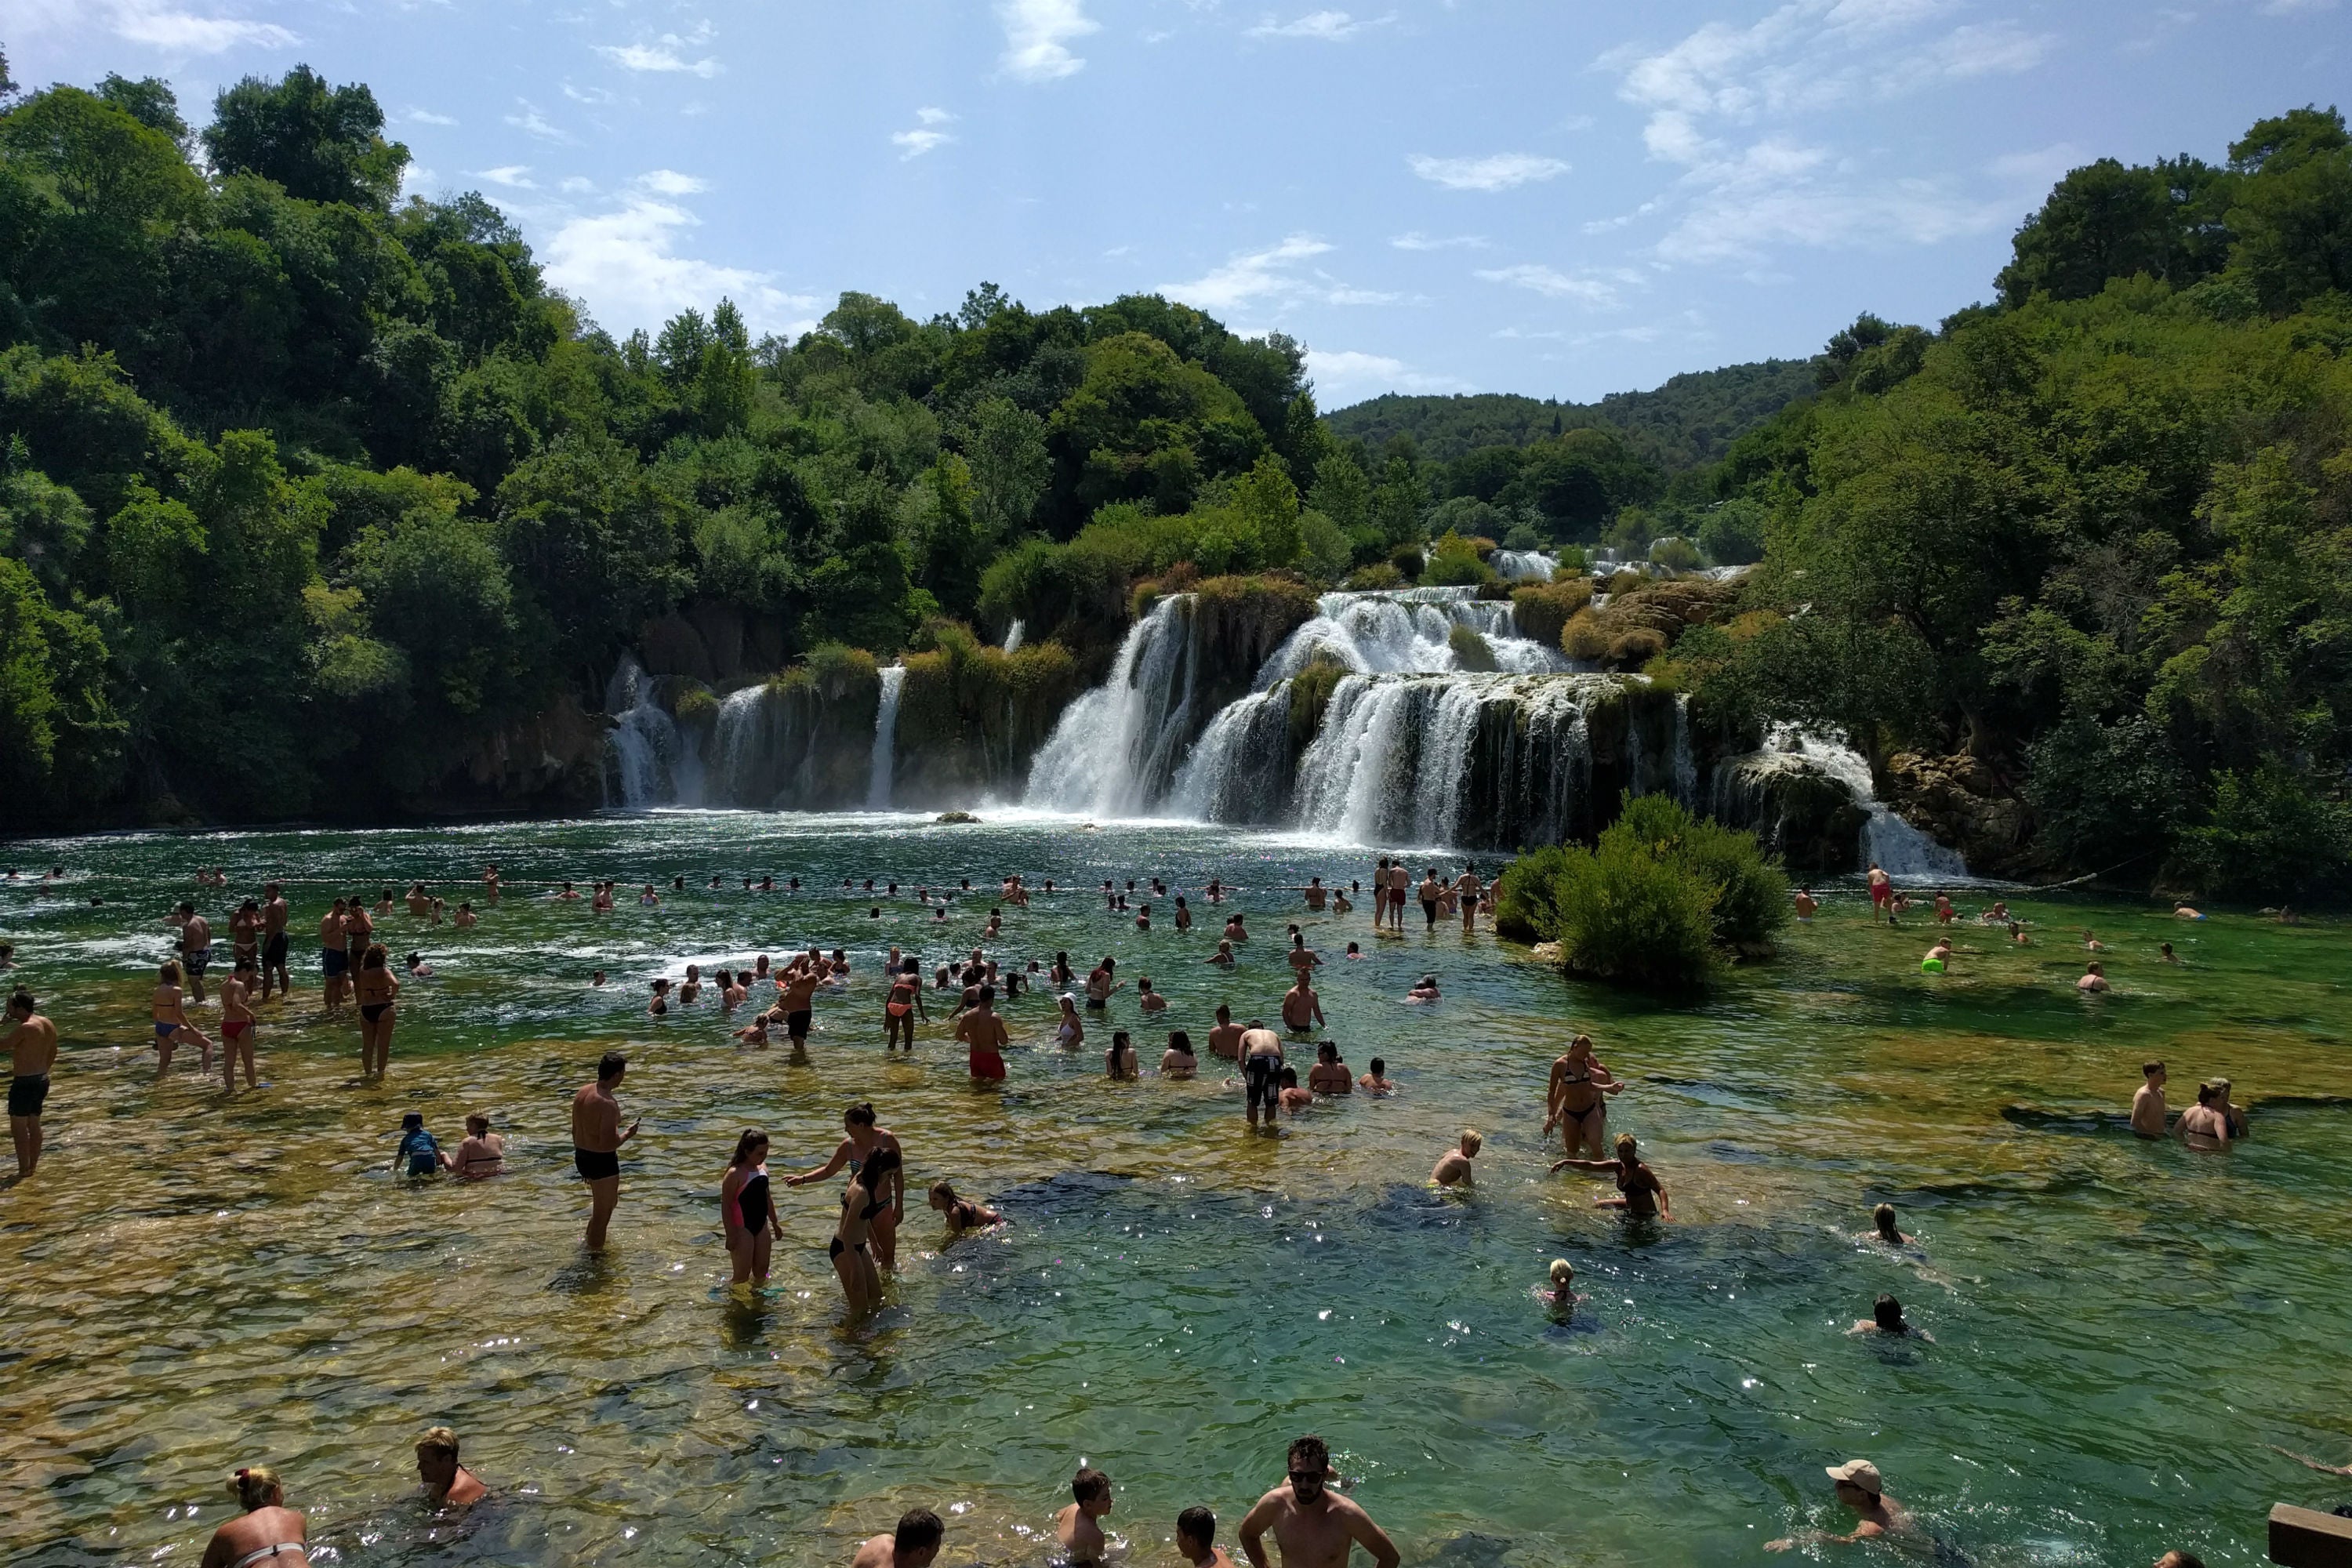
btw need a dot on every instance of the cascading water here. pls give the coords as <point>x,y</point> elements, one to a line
<point>1114,751</point>
<point>1407,631</point>
<point>1013,634</point>
<point>1898,848</point>
<point>886,738</point>
<point>1523,565</point>
<point>650,761</point>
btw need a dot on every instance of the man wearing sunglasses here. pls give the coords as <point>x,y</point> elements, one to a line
<point>1313,1526</point>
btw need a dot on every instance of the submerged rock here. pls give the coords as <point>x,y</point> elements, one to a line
<point>955,816</point>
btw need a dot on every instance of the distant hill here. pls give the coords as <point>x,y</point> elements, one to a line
<point>1685,422</point>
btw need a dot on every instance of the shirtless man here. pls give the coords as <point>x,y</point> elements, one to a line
<point>1860,1488</point>
<point>32,1042</point>
<point>1313,1527</point>
<point>1302,1009</point>
<point>448,1483</point>
<point>796,999</point>
<point>596,1138</point>
<point>1260,1051</point>
<point>1399,880</point>
<point>196,949</point>
<point>275,913</point>
<point>912,1546</point>
<point>1807,905</point>
<point>984,1037</point>
<point>1301,957</point>
<point>1224,1039</point>
<point>1315,899</point>
<point>1083,1542</point>
<point>2147,1107</point>
<point>1882,894</point>
<point>237,1026</point>
<point>1376,1080</point>
<point>334,960</point>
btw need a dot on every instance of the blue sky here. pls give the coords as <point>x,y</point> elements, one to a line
<point>1559,199</point>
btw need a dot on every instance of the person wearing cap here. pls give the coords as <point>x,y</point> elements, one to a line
<point>1860,1487</point>
<point>448,1483</point>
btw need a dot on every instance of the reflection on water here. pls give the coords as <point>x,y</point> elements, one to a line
<point>199,1281</point>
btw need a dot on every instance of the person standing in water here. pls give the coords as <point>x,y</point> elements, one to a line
<point>238,1024</point>
<point>1261,1062</point>
<point>1313,1526</point>
<point>1882,894</point>
<point>32,1042</point>
<point>275,913</point>
<point>1083,1544</point>
<point>904,1004</point>
<point>171,1017</point>
<point>1302,1009</point>
<point>2148,1112</point>
<point>267,1535</point>
<point>378,992</point>
<point>334,963</point>
<point>985,1036</point>
<point>748,1209</point>
<point>1576,1100</point>
<point>1639,1192</point>
<point>862,1137</point>
<point>596,1138</point>
<point>865,1197</point>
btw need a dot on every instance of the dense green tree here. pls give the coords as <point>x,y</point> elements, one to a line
<point>321,143</point>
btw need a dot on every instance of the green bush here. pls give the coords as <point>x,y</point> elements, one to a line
<point>2269,834</point>
<point>1409,561</point>
<point>1675,552</point>
<point>1657,904</point>
<point>1471,651</point>
<point>1454,562</point>
<point>1378,574</point>
<point>1732,533</point>
<point>1541,610</point>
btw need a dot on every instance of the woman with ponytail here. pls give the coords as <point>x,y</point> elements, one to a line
<point>267,1535</point>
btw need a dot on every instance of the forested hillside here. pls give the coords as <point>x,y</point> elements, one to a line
<point>1691,420</point>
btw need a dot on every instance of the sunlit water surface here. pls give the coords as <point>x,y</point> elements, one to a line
<point>196,1282</point>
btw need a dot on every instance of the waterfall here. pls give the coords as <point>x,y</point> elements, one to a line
<point>1239,769</point>
<point>1114,749</point>
<point>886,738</point>
<point>1685,769</point>
<point>1406,632</point>
<point>651,761</point>
<point>1013,635</point>
<point>1523,565</point>
<point>1898,848</point>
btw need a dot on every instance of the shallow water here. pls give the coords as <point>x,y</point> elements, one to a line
<point>197,1282</point>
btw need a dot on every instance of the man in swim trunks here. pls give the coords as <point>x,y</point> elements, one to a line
<point>796,999</point>
<point>275,913</point>
<point>1399,880</point>
<point>1313,1527</point>
<point>196,949</point>
<point>1224,1039</point>
<point>912,1546</point>
<point>596,1138</point>
<point>984,1037</point>
<point>32,1042</point>
<point>334,964</point>
<point>448,1483</point>
<point>2147,1107</point>
<point>236,1024</point>
<point>1315,894</point>
<point>1302,1009</point>
<point>1860,1488</point>
<point>1261,1061</point>
<point>1882,894</point>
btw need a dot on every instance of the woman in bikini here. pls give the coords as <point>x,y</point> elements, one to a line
<point>861,1205</point>
<point>172,1027</point>
<point>1639,1192</point>
<point>267,1533</point>
<point>905,1003</point>
<point>376,990</point>
<point>862,1139</point>
<point>1120,1061</point>
<point>1576,1100</point>
<point>962,1213</point>
<point>748,1209</point>
<point>481,1154</point>
<point>1068,1033</point>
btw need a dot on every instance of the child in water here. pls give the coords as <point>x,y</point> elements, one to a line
<point>418,1154</point>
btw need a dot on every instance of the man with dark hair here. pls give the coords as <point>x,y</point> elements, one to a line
<point>1313,1527</point>
<point>1196,1533</point>
<point>912,1546</point>
<point>2148,1109</point>
<point>596,1139</point>
<point>275,913</point>
<point>1082,1538</point>
<point>32,1042</point>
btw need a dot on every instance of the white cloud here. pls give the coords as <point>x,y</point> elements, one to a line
<point>1416,240</point>
<point>671,182</point>
<point>1558,285</point>
<point>538,125</point>
<point>1330,26</point>
<point>917,142</point>
<point>1347,375</point>
<point>1037,35</point>
<point>625,264</point>
<point>2296,7</point>
<point>1501,172</point>
<point>427,117</point>
<point>1259,275</point>
<point>165,26</point>
<point>933,116</point>
<point>662,56</point>
<point>1997,47</point>
<point>513,177</point>
<point>577,185</point>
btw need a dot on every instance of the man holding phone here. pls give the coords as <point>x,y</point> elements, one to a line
<point>596,1139</point>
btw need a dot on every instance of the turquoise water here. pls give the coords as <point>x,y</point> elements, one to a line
<point>198,1282</point>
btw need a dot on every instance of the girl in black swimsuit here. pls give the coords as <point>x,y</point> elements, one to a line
<point>1639,1192</point>
<point>962,1213</point>
<point>866,1196</point>
<point>748,1209</point>
<point>376,990</point>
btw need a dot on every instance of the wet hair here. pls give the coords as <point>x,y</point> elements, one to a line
<point>20,997</point>
<point>988,994</point>
<point>612,1065</point>
<point>878,1164</point>
<point>1328,1051</point>
<point>752,1138</point>
<point>478,1125</point>
<point>1088,1484</point>
<point>1882,1216</point>
<point>1888,1311</point>
<point>256,1486</point>
<point>1197,1525</point>
<point>944,1192</point>
<point>1473,1140</point>
<point>1290,1077</point>
<point>1224,1013</point>
<point>1626,1146</point>
<point>440,1439</point>
<point>1177,1040</point>
<point>1563,1271</point>
<point>918,1528</point>
<point>860,1114</point>
<point>1309,1453</point>
<point>170,971</point>
<point>1380,1065</point>
<point>186,907</point>
<point>2149,1069</point>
